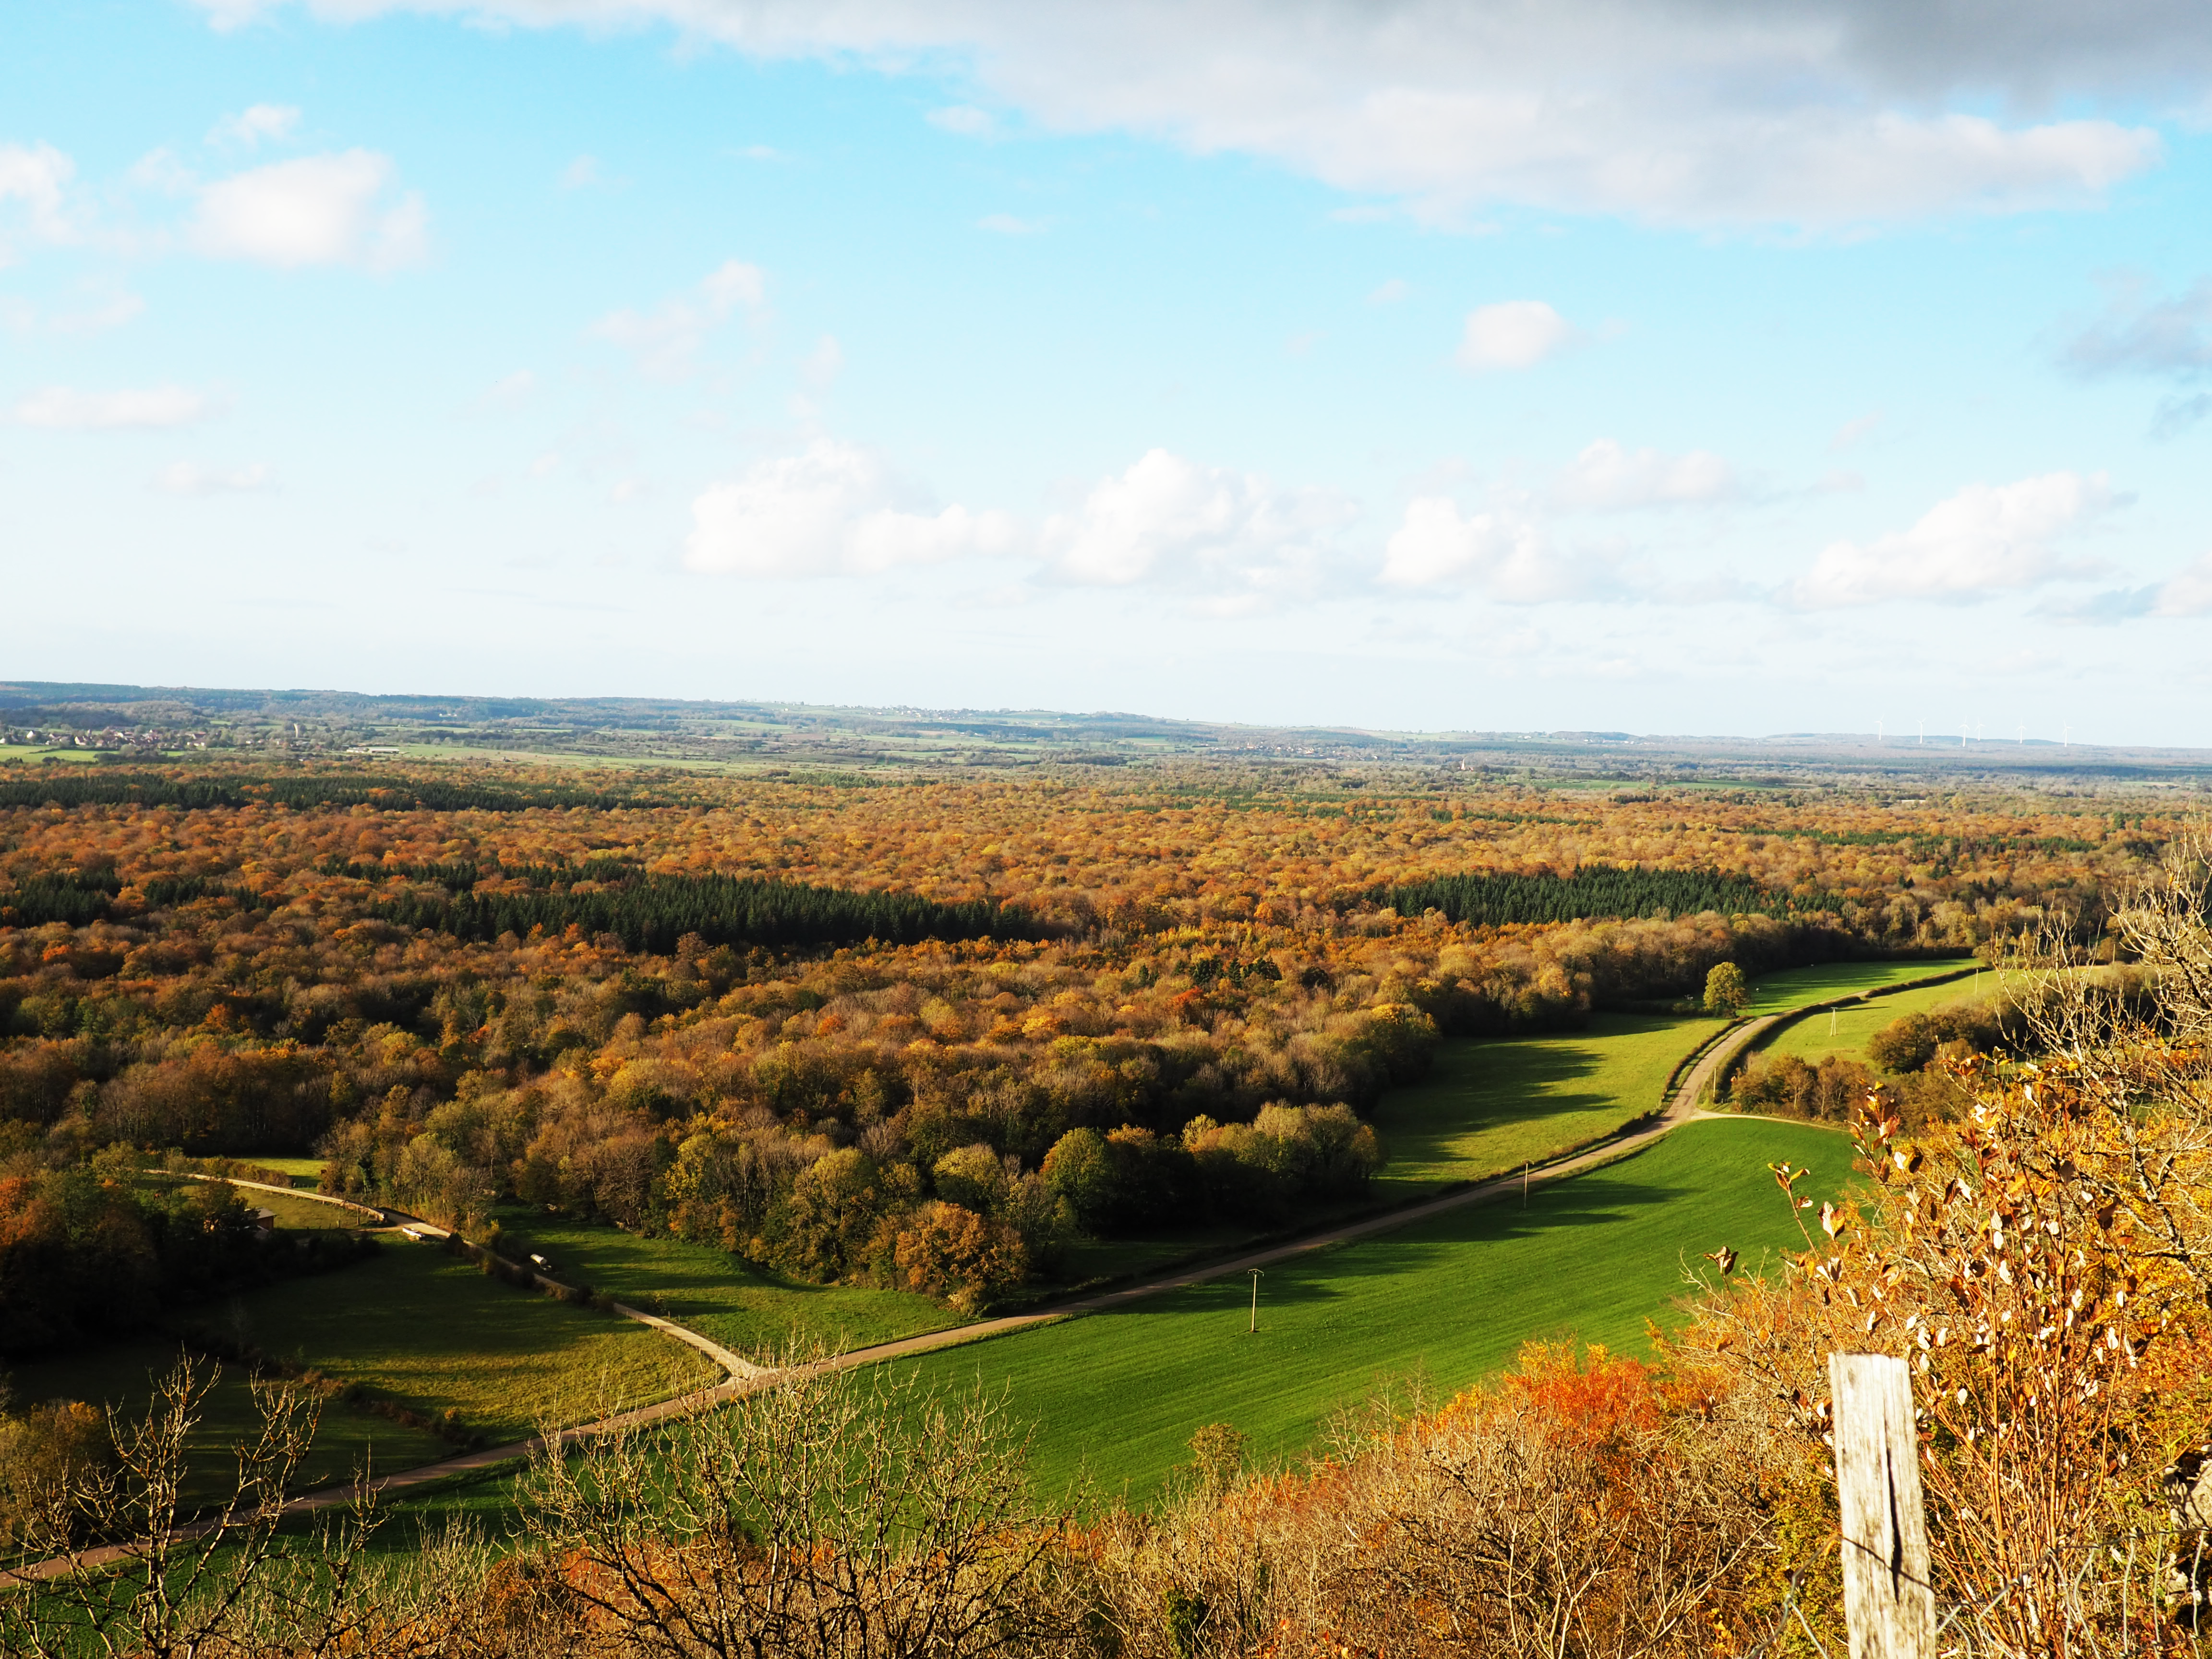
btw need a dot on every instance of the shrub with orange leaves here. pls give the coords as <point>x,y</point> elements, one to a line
<point>2060,1359</point>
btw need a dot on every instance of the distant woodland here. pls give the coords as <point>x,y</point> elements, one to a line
<point>921,1030</point>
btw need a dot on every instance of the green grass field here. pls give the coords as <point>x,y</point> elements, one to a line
<point>12,754</point>
<point>749,1310</point>
<point>1845,1032</point>
<point>432,1330</point>
<point>1117,1396</point>
<point>122,1374</point>
<point>1775,993</point>
<point>303,1171</point>
<point>417,1324</point>
<point>299,1212</point>
<point>1489,1106</point>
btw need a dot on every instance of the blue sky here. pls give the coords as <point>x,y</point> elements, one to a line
<point>1693,366</point>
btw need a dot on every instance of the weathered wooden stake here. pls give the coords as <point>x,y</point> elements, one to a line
<point>1889,1604</point>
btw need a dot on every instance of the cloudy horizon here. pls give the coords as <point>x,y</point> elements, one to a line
<point>1681,367</point>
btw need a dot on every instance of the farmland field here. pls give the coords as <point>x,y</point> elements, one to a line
<point>1775,993</point>
<point>1846,1031</point>
<point>121,1374</point>
<point>414,1324</point>
<point>752,1311</point>
<point>304,1171</point>
<point>1117,1395</point>
<point>1487,1107</point>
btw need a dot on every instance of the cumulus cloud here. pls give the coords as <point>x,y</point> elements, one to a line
<point>1502,555</point>
<point>1819,112</point>
<point>666,341</point>
<point>1607,478</point>
<point>257,122</point>
<point>189,478</point>
<point>62,408</point>
<point>338,209</point>
<point>834,510</point>
<point>1174,521</point>
<point>1513,334</point>
<point>1984,540</point>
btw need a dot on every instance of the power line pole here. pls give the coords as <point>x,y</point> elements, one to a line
<point>1254,1329</point>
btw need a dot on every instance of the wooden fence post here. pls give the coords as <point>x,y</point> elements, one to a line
<point>1889,1604</point>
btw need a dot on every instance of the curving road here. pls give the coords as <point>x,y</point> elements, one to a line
<point>742,1376</point>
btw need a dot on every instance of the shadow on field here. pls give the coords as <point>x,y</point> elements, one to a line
<point>1344,1271</point>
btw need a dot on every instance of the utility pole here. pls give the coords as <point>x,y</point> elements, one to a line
<point>1254,1329</point>
<point>1524,1185</point>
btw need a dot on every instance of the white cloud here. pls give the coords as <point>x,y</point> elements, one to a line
<point>1505,556</point>
<point>824,363</point>
<point>2167,336</point>
<point>39,177</point>
<point>1986,539</point>
<point>337,209</point>
<point>1821,112</point>
<point>2189,594</point>
<point>1606,477</point>
<point>1513,334</point>
<point>666,341</point>
<point>62,408</point>
<point>581,174</point>
<point>273,122</point>
<point>1852,434</point>
<point>189,478</point>
<point>1391,292</point>
<point>835,510</point>
<point>511,389</point>
<point>965,120</point>
<point>1168,519</point>
<point>1005,224</point>
<point>103,307</point>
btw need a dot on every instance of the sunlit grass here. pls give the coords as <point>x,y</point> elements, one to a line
<point>1118,1393</point>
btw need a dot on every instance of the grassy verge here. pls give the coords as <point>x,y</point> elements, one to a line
<point>1118,1394</point>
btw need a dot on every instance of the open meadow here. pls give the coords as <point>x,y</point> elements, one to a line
<point>1793,988</point>
<point>1488,1106</point>
<point>411,1325</point>
<point>1114,1397</point>
<point>752,1311</point>
<point>1845,1032</point>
